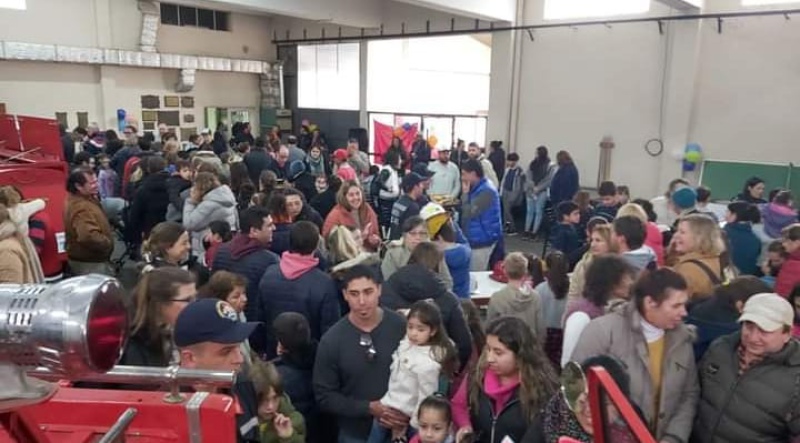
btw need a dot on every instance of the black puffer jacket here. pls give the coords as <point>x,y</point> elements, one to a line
<point>763,405</point>
<point>413,283</point>
<point>149,206</point>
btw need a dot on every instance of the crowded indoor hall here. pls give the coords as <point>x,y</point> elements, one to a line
<point>399,221</point>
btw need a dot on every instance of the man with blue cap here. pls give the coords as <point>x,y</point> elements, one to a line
<point>209,335</point>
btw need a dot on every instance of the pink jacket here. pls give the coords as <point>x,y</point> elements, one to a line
<point>655,241</point>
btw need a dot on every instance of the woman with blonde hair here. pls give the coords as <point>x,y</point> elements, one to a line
<point>352,211</point>
<point>653,238</point>
<point>158,298</point>
<point>20,212</point>
<point>599,243</point>
<point>695,252</point>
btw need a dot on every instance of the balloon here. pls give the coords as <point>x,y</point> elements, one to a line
<point>693,147</point>
<point>407,126</point>
<point>689,167</point>
<point>433,140</point>
<point>398,132</point>
<point>693,157</point>
<point>677,154</point>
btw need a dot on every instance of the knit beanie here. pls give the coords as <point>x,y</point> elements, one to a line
<point>684,198</point>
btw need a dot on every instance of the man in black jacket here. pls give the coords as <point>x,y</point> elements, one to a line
<point>299,210</point>
<point>209,334</point>
<point>247,254</point>
<point>257,160</point>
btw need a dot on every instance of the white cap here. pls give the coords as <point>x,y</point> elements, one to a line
<point>769,312</point>
<point>431,210</point>
<point>205,131</point>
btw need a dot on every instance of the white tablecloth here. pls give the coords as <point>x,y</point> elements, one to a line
<point>482,286</point>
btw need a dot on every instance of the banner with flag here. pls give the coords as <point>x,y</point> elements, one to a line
<point>385,133</point>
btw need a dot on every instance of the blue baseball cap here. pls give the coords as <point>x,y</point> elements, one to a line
<point>210,320</point>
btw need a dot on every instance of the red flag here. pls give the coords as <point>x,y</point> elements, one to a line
<point>383,139</point>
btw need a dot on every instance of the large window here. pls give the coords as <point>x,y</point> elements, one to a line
<point>767,2</point>
<point>566,9</point>
<point>13,4</point>
<point>180,15</point>
<point>328,76</point>
<point>435,75</point>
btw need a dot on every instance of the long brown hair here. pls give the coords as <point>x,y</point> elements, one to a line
<point>341,199</point>
<point>537,379</point>
<point>162,237</point>
<point>442,348</point>
<point>155,288</point>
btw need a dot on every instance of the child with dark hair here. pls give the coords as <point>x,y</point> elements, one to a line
<point>584,202</point>
<point>775,257</point>
<point>219,233</point>
<point>295,364</point>
<point>745,247</point>
<point>623,195</point>
<point>703,198</point>
<point>564,236</point>
<point>553,299</point>
<point>608,205</point>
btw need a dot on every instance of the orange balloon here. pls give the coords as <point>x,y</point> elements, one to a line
<point>433,140</point>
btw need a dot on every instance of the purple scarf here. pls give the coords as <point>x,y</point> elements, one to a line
<point>585,306</point>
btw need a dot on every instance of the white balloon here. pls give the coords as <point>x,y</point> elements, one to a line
<point>677,154</point>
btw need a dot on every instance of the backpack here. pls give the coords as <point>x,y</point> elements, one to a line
<point>130,167</point>
<point>378,184</point>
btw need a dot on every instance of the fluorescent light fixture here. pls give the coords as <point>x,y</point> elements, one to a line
<point>566,9</point>
<point>13,4</point>
<point>767,2</point>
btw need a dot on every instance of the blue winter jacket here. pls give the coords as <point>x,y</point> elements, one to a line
<point>745,247</point>
<point>246,257</point>
<point>565,185</point>
<point>481,217</point>
<point>312,294</point>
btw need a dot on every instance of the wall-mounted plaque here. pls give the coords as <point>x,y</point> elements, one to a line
<point>149,116</point>
<point>187,101</point>
<point>188,118</point>
<point>170,118</point>
<point>150,102</point>
<point>172,101</point>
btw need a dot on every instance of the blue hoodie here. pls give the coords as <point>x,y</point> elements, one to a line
<point>745,247</point>
<point>457,258</point>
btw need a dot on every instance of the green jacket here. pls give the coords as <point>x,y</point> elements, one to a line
<point>763,405</point>
<point>270,435</point>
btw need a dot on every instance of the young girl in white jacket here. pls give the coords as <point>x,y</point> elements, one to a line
<point>419,360</point>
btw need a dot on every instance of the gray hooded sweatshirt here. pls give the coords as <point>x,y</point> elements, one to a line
<point>218,204</point>
<point>640,258</point>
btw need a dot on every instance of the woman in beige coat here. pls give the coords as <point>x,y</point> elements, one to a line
<point>695,253</point>
<point>15,264</point>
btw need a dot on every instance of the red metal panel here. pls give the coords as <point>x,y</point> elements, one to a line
<point>599,380</point>
<point>81,415</point>
<point>44,179</point>
<point>39,137</point>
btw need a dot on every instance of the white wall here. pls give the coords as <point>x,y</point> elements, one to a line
<point>737,97</point>
<point>748,91</point>
<point>42,89</point>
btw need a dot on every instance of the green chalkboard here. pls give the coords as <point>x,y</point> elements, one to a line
<point>726,178</point>
<point>794,182</point>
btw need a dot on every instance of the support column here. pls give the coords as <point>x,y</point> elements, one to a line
<point>362,85</point>
<point>682,63</point>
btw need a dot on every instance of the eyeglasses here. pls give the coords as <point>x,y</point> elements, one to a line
<point>365,341</point>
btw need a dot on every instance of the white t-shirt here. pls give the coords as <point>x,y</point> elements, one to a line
<point>573,328</point>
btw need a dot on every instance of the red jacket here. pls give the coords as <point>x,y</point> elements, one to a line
<point>341,216</point>
<point>789,277</point>
<point>43,236</point>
